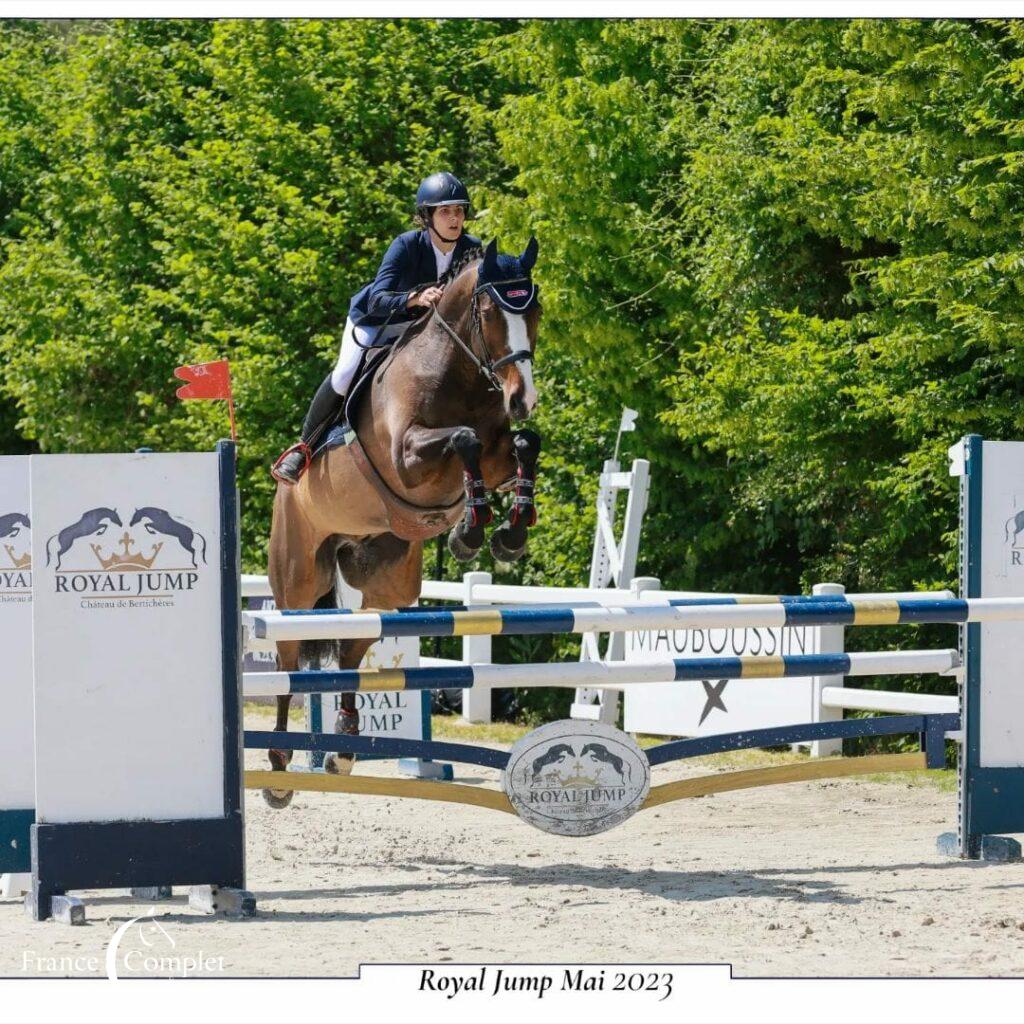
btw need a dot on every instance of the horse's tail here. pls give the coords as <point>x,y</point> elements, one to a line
<point>48,543</point>
<point>321,653</point>
<point>203,539</point>
<point>1012,519</point>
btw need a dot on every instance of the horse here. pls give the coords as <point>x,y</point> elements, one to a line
<point>431,438</point>
<point>1017,521</point>
<point>12,524</point>
<point>93,523</point>
<point>158,522</point>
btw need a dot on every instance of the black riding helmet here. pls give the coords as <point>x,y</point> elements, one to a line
<point>441,189</point>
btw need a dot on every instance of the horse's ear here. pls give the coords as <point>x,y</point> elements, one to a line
<point>490,267</point>
<point>529,257</point>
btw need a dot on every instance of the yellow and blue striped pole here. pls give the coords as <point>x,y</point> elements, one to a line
<point>725,613</point>
<point>604,674</point>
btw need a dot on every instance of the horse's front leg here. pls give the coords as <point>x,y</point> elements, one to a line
<point>423,450</point>
<point>467,537</point>
<point>508,542</point>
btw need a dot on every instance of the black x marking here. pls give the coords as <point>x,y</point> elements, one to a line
<point>714,693</point>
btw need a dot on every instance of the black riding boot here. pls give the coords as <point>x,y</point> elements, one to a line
<point>323,410</point>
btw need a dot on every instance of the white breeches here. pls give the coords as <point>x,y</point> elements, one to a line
<point>353,341</point>
<point>348,360</point>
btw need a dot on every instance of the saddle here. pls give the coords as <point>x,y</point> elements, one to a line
<point>405,520</point>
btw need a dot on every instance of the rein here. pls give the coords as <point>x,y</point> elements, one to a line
<point>487,367</point>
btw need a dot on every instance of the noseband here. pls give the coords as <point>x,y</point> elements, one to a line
<point>487,367</point>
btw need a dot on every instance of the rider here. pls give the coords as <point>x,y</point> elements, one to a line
<point>404,288</point>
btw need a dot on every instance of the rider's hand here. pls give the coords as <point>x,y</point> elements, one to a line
<point>427,297</point>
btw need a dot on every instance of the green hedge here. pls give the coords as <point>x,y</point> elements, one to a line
<point>794,246</point>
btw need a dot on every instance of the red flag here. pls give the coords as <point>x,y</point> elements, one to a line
<point>205,380</point>
<point>208,380</point>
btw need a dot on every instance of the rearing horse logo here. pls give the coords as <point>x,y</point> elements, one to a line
<point>1017,522</point>
<point>600,753</point>
<point>158,521</point>
<point>12,525</point>
<point>560,754</point>
<point>557,754</point>
<point>93,523</point>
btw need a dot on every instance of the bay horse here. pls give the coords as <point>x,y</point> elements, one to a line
<point>432,437</point>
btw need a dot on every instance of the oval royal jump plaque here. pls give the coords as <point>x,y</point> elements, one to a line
<point>577,778</point>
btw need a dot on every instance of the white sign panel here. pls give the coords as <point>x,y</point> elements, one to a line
<point>127,637</point>
<point>17,782</point>
<point>708,707</point>
<point>1002,559</point>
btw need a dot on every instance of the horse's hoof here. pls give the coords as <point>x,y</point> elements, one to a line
<point>278,798</point>
<point>280,759</point>
<point>501,552</point>
<point>460,549</point>
<point>339,764</point>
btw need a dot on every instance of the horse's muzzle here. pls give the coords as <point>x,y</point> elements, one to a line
<point>518,410</point>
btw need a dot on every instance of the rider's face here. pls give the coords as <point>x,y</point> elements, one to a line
<point>449,220</point>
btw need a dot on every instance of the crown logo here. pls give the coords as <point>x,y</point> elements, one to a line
<point>580,781</point>
<point>127,560</point>
<point>25,562</point>
<point>575,780</point>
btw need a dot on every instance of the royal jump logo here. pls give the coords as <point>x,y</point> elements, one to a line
<point>577,778</point>
<point>110,553</point>
<point>15,556</point>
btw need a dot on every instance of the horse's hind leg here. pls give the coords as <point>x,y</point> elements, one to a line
<point>388,572</point>
<point>351,653</point>
<point>296,583</point>
<point>508,542</point>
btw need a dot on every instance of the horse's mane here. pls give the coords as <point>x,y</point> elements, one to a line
<point>458,266</point>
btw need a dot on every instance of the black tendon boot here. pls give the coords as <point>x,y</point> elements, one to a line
<point>323,410</point>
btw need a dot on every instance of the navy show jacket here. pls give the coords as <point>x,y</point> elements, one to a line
<point>408,265</point>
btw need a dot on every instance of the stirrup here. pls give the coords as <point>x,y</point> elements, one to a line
<point>307,453</point>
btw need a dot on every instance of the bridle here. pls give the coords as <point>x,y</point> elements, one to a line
<point>487,367</point>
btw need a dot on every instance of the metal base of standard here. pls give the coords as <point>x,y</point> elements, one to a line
<point>994,849</point>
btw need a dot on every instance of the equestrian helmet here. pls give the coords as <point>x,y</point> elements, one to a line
<point>441,189</point>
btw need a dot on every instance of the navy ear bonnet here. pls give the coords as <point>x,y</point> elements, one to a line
<point>507,278</point>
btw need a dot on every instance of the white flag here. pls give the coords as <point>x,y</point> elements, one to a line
<point>628,420</point>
